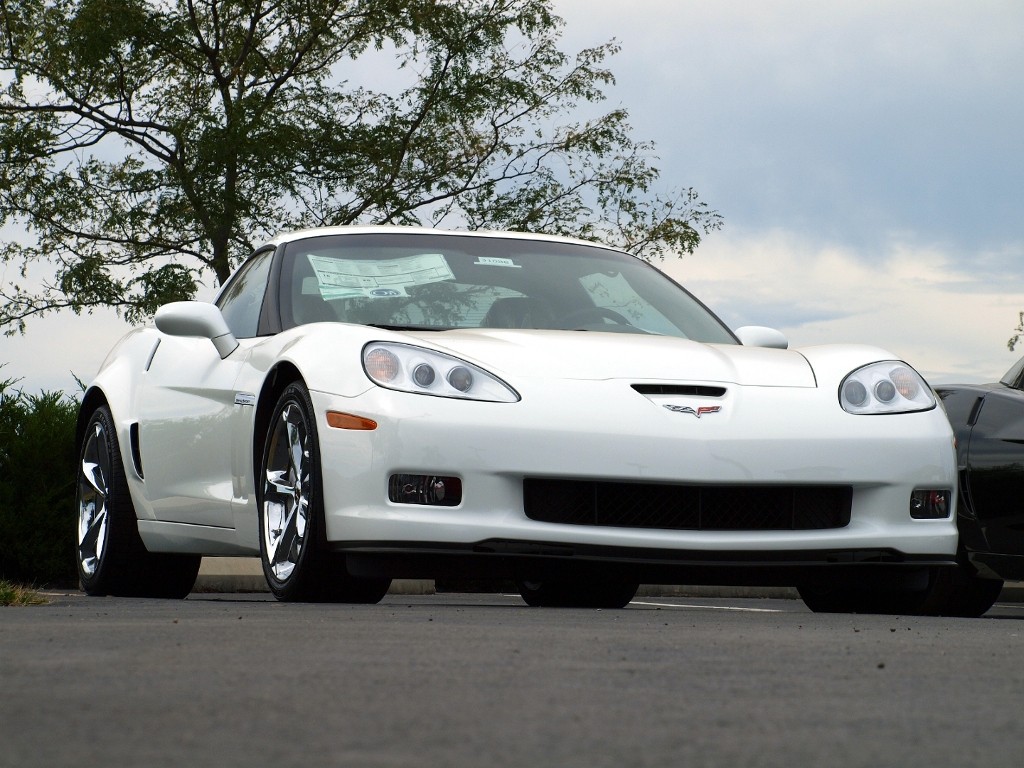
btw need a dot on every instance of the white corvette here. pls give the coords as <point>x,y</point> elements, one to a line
<point>362,404</point>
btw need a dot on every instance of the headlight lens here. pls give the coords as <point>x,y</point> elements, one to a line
<point>889,387</point>
<point>425,372</point>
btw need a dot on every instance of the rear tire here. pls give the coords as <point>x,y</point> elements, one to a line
<point>112,560</point>
<point>297,564</point>
<point>577,593</point>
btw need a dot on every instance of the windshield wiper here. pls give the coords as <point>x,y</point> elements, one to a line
<point>386,327</point>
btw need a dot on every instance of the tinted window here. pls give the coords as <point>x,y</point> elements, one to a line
<point>242,298</point>
<point>441,282</point>
<point>1013,376</point>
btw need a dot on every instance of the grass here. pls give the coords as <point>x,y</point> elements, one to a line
<point>12,594</point>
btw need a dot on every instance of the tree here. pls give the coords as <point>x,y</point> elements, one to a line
<point>1014,340</point>
<point>147,145</point>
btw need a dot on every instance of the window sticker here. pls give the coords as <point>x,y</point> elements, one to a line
<point>350,278</point>
<point>494,261</point>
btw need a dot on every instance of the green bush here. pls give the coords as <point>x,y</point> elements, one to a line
<point>37,487</point>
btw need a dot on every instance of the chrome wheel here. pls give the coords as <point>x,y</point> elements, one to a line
<point>286,492</point>
<point>93,493</point>
<point>112,560</point>
<point>297,561</point>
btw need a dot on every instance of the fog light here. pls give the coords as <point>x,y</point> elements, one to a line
<point>929,505</point>
<point>429,490</point>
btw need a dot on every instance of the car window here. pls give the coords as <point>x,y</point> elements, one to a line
<point>1014,375</point>
<point>616,294</point>
<point>242,298</point>
<point>440,282</point>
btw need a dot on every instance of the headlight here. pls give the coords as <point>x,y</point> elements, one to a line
<point>426,372</point>
<point>889,387</point>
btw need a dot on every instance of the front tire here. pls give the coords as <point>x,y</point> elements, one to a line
<point>959,592</point>
<point>297,564</point>
<point>577,593</point>
<point>846,598</point>
<point>112,560</point>
<point>945,592</point>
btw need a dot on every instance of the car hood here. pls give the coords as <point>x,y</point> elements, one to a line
<point>599,356</point>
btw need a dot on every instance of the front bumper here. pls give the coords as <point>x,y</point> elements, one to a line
<point>587,430</point>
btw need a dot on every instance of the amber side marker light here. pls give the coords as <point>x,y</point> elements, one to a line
<point>340,420</point>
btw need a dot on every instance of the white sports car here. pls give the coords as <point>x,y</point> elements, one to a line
<point>368,403</point>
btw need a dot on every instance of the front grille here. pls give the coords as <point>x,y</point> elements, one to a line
<point>687,507</point>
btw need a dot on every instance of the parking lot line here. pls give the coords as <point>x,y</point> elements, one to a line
<point>709,607</point>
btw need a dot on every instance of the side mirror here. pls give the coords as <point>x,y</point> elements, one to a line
<point>759,336</point>
<point>197,318</point>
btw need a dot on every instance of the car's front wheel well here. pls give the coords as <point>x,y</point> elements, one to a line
<point>92,400</point>
<point>277,380</point>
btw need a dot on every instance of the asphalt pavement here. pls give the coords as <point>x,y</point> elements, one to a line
<point>481,679</point>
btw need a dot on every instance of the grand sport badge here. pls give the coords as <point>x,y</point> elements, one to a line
<point>702,410</point>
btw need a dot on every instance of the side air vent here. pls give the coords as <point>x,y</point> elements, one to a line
<point>133,438</point>
<point>679,389</point>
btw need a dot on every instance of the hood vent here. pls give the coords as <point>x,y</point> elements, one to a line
<point>692,390</point>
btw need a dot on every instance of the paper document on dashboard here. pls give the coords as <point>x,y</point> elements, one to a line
<point>344,278</point>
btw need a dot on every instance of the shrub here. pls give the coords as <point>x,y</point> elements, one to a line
<point>37,487</point>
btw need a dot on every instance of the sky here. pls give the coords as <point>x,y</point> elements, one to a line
<point>867,158</point>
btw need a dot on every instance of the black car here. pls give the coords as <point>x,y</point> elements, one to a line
<point>988,420</point>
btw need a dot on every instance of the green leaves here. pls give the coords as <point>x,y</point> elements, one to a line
<point>37,487</point>
<point>147,145</point>
<point>1014,340</point>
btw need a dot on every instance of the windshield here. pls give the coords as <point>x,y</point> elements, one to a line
<point>441,282</point>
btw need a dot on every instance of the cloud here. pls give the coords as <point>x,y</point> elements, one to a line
<point>921,304</point>
<point>858,119</point>
<point>57,348</point>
